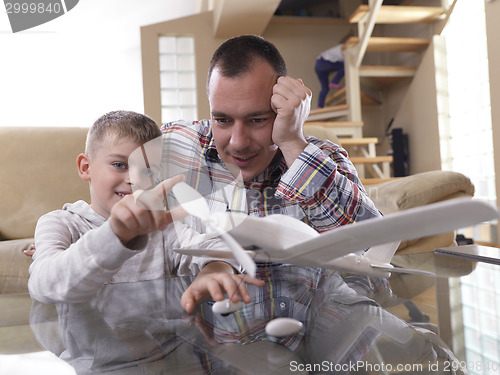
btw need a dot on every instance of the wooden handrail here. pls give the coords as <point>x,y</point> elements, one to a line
<point>367,31</point>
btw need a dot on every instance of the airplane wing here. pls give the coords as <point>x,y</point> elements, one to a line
<point>264,237</point>
<point>261,236</point>
<point>273,233</point>
<point>415,222</point>
<point>411,271</point>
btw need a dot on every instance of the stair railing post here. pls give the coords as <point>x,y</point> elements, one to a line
<point>365,29</point>
<point>353,96</point>
<point>353,92</point>
<point>352,61</point>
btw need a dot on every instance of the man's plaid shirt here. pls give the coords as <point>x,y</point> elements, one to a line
<point>321,188</point>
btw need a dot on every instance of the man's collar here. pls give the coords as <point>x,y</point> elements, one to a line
<point>211,153</point>
<point>275,169</point>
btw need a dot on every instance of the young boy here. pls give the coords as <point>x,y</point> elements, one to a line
<point>82,246</point>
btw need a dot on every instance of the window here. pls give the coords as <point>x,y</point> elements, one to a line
<point>177,78</point>
<point>465,132</point>
<point>467,147</point>
<point>479,344</point>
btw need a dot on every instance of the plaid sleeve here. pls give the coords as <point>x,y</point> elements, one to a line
<point>324,182</point>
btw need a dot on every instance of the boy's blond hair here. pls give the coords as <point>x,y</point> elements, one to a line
<point>121,125</point>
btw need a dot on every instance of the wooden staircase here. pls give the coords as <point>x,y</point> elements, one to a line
<point>362,150</point>
<point>341,110</point>
<point>390,44</point>
<point>353,129</point>
<point>338,98</point>
<point>397,13</point>
<point>347,111</point>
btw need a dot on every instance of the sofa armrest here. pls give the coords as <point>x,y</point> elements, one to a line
<point>14,266</point>
<point>418,190</point>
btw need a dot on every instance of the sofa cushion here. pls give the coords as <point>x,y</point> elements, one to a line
<point>418,190</point>
<point>427,244</point>
<point>38,175</point>
<point>14,266</point>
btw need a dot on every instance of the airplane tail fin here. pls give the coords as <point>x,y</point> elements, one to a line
<point>382,253</point>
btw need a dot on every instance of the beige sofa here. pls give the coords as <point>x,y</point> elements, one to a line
<point>39,174</point>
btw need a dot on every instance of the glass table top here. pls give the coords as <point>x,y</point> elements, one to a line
<point>422,324</point>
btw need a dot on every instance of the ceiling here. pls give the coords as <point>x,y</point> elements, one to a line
<point>236,17</point>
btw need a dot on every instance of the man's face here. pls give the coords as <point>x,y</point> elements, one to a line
<point>242,119</point>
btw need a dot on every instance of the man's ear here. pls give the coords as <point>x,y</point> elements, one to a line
<point>83,164</point>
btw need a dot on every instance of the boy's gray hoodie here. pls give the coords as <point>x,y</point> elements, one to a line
<point>77,252</point>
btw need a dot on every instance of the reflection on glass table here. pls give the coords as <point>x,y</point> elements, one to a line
<point>140,328</point>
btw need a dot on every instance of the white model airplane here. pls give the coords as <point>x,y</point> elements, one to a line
<point>284,239</point>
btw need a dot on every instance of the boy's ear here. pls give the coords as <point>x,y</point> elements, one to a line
<point>83,164</point>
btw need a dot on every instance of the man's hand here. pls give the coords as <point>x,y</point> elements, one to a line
<point>291,101</point>
<point>215,280</point>
<point>142,212</point>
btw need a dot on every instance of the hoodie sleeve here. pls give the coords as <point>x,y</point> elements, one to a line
<point>69,266</point>
<point>179,235</point>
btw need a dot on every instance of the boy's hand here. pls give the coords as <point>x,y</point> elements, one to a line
<point>142,212</point>
<point>215,280</point>
<point>291,100</point>
<point>30,250</point>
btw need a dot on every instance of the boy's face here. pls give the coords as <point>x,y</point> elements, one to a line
<point>108,173</point>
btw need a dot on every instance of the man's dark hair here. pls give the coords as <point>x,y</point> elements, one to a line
<point>235,56</point>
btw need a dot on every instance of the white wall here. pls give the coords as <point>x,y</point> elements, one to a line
<point>75,68</point>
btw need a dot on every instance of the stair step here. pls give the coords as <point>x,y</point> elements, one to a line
<point>386,71</point>
<point>328,109</point>
<point>388,44</point>
<point>334,124</point>
<point>328,112</point>
<point>358,141</point>
<point>336,95</point>
<point>352,129</point>
<point>366,99</point>
<point>400,14</point>
<point>371,160</point>
<point>299,20</point>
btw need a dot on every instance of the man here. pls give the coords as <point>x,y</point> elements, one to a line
<point>257,116</point>
<point>255,135</point>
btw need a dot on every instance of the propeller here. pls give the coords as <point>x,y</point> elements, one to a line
<point>195,205</point>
